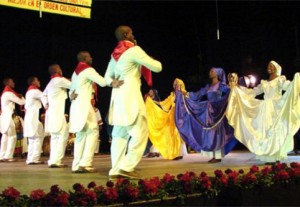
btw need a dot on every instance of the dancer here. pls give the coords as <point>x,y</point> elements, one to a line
<point>9,137</point>
<point>161,123</point>
<point>266,127</point>
<point>33,128</point>
<point>150,150</point>
<point>200,118</point>
<point>54,99</point>
<point>83,120</point>
<point>127,112</point>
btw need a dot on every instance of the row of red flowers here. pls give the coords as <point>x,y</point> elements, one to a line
<point>125,191</point>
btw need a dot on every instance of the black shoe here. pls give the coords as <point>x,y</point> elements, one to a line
<point>58,166</point>
<point>36,163</point>
<point>216,160</point>
<point>79,171</point>
<point>88,169</point>
<point>150,155</point>
<point>211,160</point>
<point>178,158</point>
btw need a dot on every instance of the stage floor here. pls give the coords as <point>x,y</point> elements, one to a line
<point>26,178</point>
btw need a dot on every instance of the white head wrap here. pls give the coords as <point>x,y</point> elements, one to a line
<point>277,66</point>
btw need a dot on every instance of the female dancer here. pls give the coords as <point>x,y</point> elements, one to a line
<point>200,118</point>
<point>162,129</point>
<point>266,127</point>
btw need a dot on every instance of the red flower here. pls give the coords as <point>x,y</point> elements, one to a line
<point>151,186</point>
<point>99,189</point>
<point>254,169</point>
<point>192,174</point>
<point>295,165</point>
<point>90,195</point>
<point>266,170</point>
<point>241,171</point>
<point>203,174</point>
<point>223,180</point>
<point>168,178</point>
<point>56,197</point>
<point>37,195</point>
<point>279,166</point>
<point>11,193</point>
<point>122,181</point>
<point>281,175</point>
<point>249,178</point>
<point>62,199</point>
<point>294,172</point>
<point>111,194</point>
<point>228,171</point>
<point>109,184</point>
<point>205,182</point>
<point>92,184</point>
<point>78,187</point>
<point>54,189</point>
<point>218,173</point>
<point>179,176</point>
<point>133,192</point>
<point>233,176</point>
<point>187,177</point>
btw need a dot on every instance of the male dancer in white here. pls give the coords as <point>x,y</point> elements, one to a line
<point>127,112</point>
<point>9,138</point>
<point>53,99</point>
<point>82,115</point>
<point>33,128</point>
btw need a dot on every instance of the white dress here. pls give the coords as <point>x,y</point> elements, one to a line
<point>266,127</point>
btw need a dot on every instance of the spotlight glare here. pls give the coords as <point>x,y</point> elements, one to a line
<point>252,80</point>
<point>247,81</point>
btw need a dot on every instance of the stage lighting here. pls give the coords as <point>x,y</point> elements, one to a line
<point>252,80</point>
<point>248,81</point>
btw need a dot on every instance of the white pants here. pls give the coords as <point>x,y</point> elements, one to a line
<point>8,142</point>
<point>35,144</point>
<point>128,145</point>
<point>97,148</point>
<point>58,143</point>
<point>85,143</point>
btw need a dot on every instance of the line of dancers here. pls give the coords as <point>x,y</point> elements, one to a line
<point>211,120</point>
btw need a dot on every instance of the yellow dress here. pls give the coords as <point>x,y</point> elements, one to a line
<point>162,129</point>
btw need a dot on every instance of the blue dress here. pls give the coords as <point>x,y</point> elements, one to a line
<point>201,121</point>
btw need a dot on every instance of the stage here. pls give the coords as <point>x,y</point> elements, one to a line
<point>26,178</point>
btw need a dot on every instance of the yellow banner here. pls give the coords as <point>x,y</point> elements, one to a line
<point>50,7</point>
<point>87,3</point>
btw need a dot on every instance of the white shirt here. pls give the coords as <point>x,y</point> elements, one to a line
<point>55,95</point>
<point>127,101</point>
<point>82,85</point>
<point>8,101</point>
<point>32,107</point>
